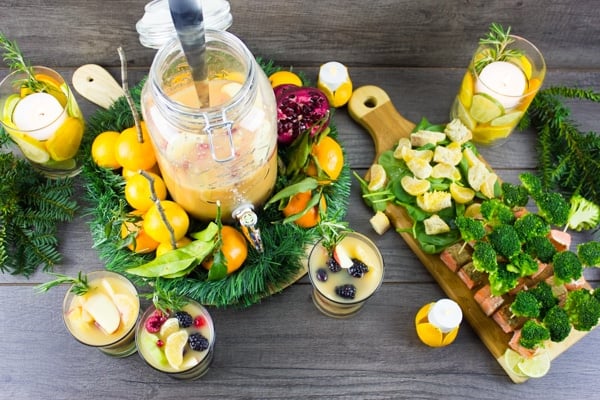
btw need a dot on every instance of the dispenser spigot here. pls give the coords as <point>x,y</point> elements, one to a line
<point>248,222</point>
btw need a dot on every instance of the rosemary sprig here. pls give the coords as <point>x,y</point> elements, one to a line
<point>80,284</point>
<point>13,57</point>
<point>332,230</point>
<point>497,41</point>
<point>165,299</point>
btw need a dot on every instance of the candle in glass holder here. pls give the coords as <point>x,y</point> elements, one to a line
<point>335,82</point>
<point>504,81</point>
<point>39,115</point>
<point>437,323</point>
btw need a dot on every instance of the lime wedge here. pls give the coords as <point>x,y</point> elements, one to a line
<point>460,112</point>
<point>485,108</point>
<point>535,367</point>
<point>507,119</point>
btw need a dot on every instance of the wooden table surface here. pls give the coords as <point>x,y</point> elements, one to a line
<point>283,347</point>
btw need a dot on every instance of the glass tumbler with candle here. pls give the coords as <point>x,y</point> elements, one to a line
<point>41,115</point>
<point>497,89</point>
<point>345,277</point>
<point>105,315</point>
<point>225,152</point>
<point>437,323</point>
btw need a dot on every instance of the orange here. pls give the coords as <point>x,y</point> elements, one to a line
<point>103,150</point>
<point>128,173</point>
<point>133,154</point>
<point>234,247</point>
<point>175,216</point>
<point>284,78</point>
<point>143,243</point>
<point>329,157</point>
<point>53,87</point>
<point>138,191</point>
<point>297,205</point>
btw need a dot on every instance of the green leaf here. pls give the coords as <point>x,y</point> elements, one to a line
<point>304,185</point>
<point>218,270</point>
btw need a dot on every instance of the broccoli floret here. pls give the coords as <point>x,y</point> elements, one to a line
<point>543,293</point>
<point>553,207</point>
<point>589,254</point>
<point>505,241</point>
<point>502,280</point>
<point>523,264</point>
<point>531,225</point>
<point>525,305</point>
<point>484,257</point>
<point>541,248</point>
<point>558,324</point>
<point>470,228</point>
<point>533,334</point>
<point>496,213</point>
<point>514,195</point>
<point>567,266</point>
<point>583,214</point>
<point>583,309</point>
<point>532,183</point>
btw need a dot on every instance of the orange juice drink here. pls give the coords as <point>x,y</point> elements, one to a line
<point>105,316</point>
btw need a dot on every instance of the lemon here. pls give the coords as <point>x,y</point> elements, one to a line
<point>443,170</point>
<point>174,346</point>
<point>434,201</point>
<point>170,326</point>
<point>378,177</point>
<point>461,194</point>
<point>284,78</point>
<point>485,108</point>
<point>466,90</point>
<point>460,112</point>
<point>9,106</point>
<point>512,360</point>
<point>66,140</point>
<point>535,367</point>
<point>414,186</point>
<point>402,147</point>
<point>487,187</point>
<point>509,119</point>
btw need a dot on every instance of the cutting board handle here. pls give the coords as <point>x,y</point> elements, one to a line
<point>97,85</point>
<point>372,108</point>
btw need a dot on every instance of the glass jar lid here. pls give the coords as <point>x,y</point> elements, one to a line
<point>156,26</point>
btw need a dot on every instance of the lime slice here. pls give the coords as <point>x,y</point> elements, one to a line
<point>62,165</point>
<point>512,360</point>
<point>32,149</point>
<point>509,119</point>
<point>460,112</point>
<point>535,367</point>
<point>485,108</point>
<point>9,106</point>
<point>174,346</point>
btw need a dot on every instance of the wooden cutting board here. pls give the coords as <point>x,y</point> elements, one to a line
<point>372,108</point>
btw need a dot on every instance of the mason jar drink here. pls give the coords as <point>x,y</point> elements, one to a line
<point>223,152</point>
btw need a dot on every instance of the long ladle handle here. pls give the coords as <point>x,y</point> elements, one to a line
<point>189,24</point>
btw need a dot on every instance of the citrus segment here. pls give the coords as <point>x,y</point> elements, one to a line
<point>66,140</point>
<point>461,194</point>
<point>485,108</point>
<point>284,78</point>
<point>378,177</point>
<point>414,186</point>
<point>174,346</point>
<point>170,326</point>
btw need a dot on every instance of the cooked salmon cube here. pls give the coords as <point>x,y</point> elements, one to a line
<point>560,239</point>
<point>507,320</point>
<point>456,256</point>
<point>488,302</point>
<point>544,272</point>
<point>470,276</point>
<point>514,344</point>
<point>577,284</point>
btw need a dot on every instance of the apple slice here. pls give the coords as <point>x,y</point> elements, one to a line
<point>342,257</point>
<point>104,311</point>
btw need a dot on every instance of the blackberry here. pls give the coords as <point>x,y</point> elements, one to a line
<point>185,319</point>
<point>198,342</point>
<point>358,268</point>
<point>322,274</point>
<point>346,291</point>
<point>333,265</point>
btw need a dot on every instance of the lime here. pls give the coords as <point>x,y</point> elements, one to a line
<point>174,346</point>
<point>535,367</point>
<point>378,177</point>
<point>460,112</point>
<point>9,106</point>
<point>509,119</point>
<point>31,148</point>
<point>512,360</point>
<point>62,165</point>
<point>65,141</point>
<point>156,356</point>
<point>485,108</point>
<point>487,135</point>
<point>414,186</point>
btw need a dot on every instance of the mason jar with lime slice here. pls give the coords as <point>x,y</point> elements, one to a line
<point>502,79</point>
<point>41,116</point>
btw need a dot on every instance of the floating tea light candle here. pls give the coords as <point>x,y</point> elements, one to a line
<point>335,82</point>
<point>504,81</point>
<point>39,115</point>
<point>437,323</point>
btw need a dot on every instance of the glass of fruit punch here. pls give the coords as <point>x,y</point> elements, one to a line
<point>503,77</point>
<point>40,114</point>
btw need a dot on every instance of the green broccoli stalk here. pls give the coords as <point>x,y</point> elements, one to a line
<point>514,195</point>
<point>470,229</point>
<point>545,297</point>
<point>484,257</point>
<point>525,304</point>
<point>523,264</point>
<point>583,214</point>
<point>583,309</point>
<point>567,266</point>
<point>589,254</point>
<point>505,241</point>
<point>541,248</point>
<point>558,324</point>
<point>502,280</point>
<point>533,334</point>
<point>531,225</point>
<point>496,213</point>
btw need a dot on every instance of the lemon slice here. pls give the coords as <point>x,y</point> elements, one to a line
<point>485,108</point>
<point>507,119</point>
<point>443,170</point>
<point>466,90</point>
<point>487,135</point>
<point>512,360</point>
<point>460,112</point>
<point>378,177</point>
<point>429,334</point>
<point>174,346</point>
<point>66,140</point>
<point>31,148</point>
<point>414,186</point>
<point>461,194</point>
<point>170,326</point>
<point>535,367</point>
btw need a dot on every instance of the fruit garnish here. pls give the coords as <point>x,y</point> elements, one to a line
<point>65,142</point>
<point>378,177</point>
<point>174,346</point>
<point>300,110</point>
<point>170,326</point>
<point>485,108</point>
<point>104,311</point>
<point>341,256</point>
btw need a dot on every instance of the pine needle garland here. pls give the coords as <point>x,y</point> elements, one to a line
<point>569,160</point>
<point>263,274</point>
